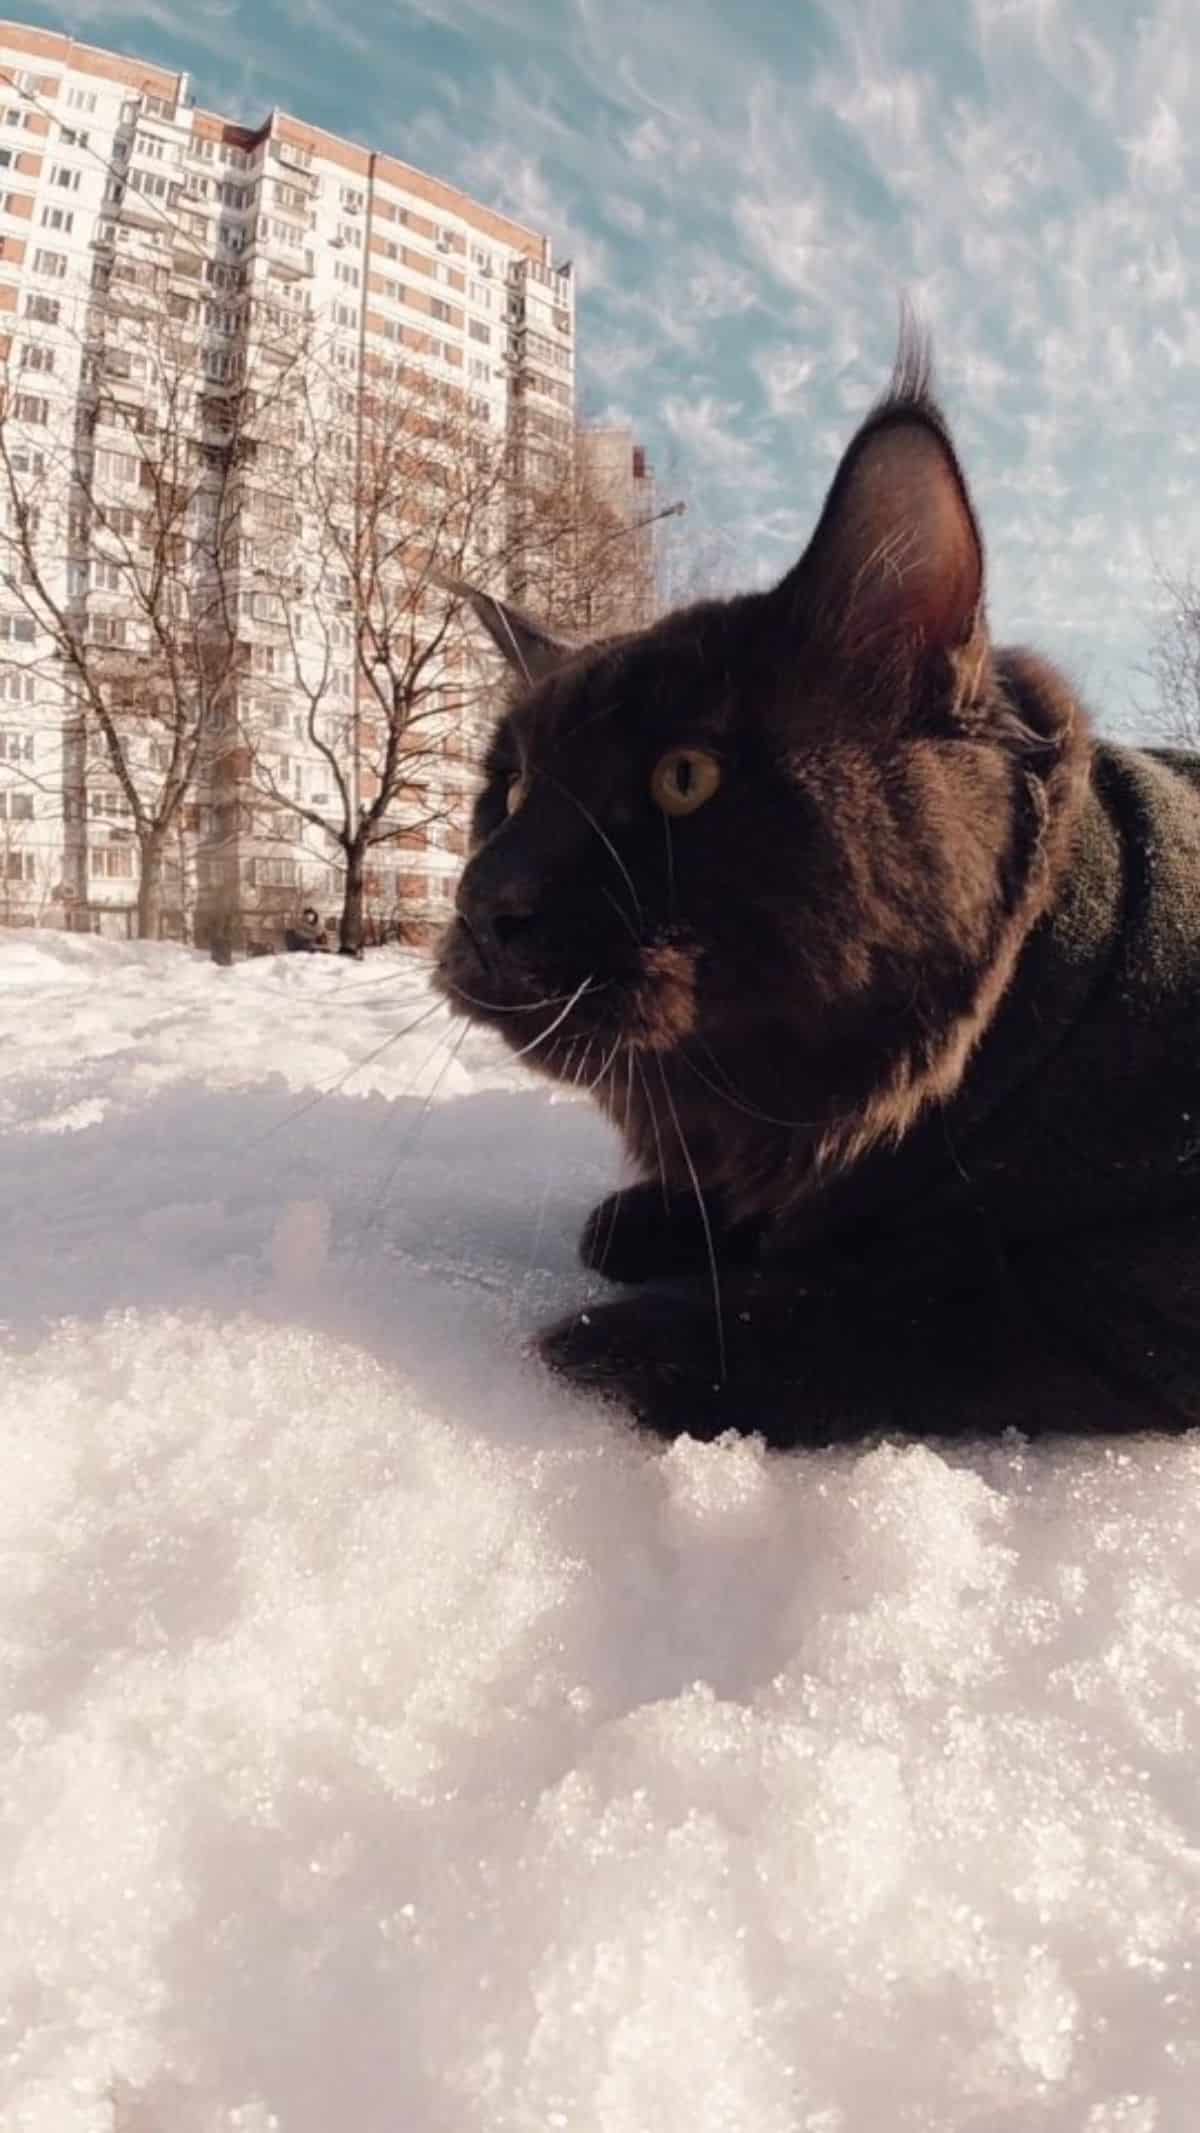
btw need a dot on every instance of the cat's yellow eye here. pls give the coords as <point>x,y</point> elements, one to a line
<point>515,796</point>
<point>683,779</point>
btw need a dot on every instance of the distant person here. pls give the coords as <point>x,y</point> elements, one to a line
<point>305,937</point>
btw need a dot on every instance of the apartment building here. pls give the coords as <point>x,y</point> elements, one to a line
<point>128,213</point>
<point>617,470</point>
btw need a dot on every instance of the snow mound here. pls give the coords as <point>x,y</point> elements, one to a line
<point>389,1740</point>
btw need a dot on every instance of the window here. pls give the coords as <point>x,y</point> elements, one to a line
<point>478,367</point>
<point>481,296</point>
<point>81,99</point>
<point>117,466</point>
<point>113,862</point>
<point>154,185</point>
<point>16,806</point>
<point>61,174</point>
<point>344,272</point>
<point>19,866</point>
<point>106,576</point>
<point>351,200</point>
<point>348,234</point>
<point>6,157</point>
<point>30,408</point>
<point>52,263</point>
<point>159,107</point>
<point>17,629</point>
<point>480,332</point>
<point>45,308</point>
<point>271,873</point>
<point>73,138</point>
<point>292,196</point>
<point>109,801</point>
<point>15,747</point>
<point>59,218</point>
<point>17,688</point>
<point>106,629</point>
<point>26,461</point>
<point>344,315</point>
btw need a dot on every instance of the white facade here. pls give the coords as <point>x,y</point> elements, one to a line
<point>113,185</point>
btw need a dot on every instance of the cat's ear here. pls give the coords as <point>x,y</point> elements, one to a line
<point>531,650</point>
<point>894,572</point>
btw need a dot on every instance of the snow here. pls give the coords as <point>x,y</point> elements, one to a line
<point>391,1740</point>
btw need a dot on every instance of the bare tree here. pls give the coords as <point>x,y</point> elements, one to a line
<point>120,505</point>
<point>403,491</point>
<point>1174,664</point>
<point>580,561</point>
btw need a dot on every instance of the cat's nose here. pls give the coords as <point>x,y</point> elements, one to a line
<point>497,915</point>
<point>506,926</point>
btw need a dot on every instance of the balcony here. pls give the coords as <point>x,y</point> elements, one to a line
<point>292,261</point>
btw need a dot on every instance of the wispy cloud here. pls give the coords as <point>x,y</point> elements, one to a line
<point>747,193</point>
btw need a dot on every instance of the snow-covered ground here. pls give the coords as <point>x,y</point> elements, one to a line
<point>392,1743</point>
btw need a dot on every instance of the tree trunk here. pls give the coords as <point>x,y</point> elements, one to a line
<point>149,901</point>
<point>350,929</point>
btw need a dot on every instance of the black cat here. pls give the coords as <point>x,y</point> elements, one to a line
<point>888,974</point>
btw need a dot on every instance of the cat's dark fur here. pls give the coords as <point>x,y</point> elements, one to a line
<point>800,993</point>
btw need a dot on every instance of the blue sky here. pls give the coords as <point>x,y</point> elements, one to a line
<point>748,190</point>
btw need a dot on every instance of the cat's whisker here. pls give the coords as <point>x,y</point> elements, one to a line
<point>666,820</point>
<point>530,1007</point>
<point>558,1021</point>
<point>658,1146</point>
<point>605,840</point>
<point>707,1226</point>
<point>605,1064</point>
<point>331,1089</point>
<point>408,1139</point>
<point>733,1097</point>
<point>624,917</point>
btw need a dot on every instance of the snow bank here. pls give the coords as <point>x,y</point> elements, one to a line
<point>391,1741</point>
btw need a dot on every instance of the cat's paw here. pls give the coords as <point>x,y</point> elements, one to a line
<point>657,1356</point>
<point>640,1235</point>
<point>628,1236</point>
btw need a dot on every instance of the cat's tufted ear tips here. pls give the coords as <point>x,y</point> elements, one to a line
<point>531,650</point>
<point>895,570</point>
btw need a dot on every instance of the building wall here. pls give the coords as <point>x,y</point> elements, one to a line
<point>616,467</point>
<point>109,171</point>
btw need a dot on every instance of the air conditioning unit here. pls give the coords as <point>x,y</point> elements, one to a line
<point>443,244</point>
<point>486,269</point>
<point>337,244</point>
